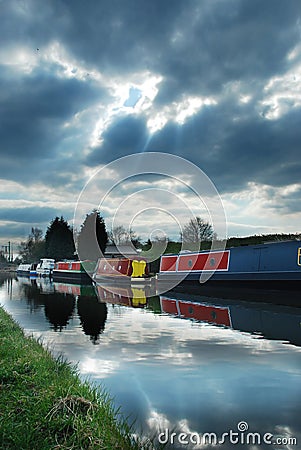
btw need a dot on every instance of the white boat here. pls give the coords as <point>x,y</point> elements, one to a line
<point>45,267</point>
<point>24,269</point>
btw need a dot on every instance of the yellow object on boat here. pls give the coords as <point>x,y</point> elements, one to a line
<point>138,268</point>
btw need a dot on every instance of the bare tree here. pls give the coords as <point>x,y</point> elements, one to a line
<point>33,248</point>
<point>197,230</point>
<point>119,235</point>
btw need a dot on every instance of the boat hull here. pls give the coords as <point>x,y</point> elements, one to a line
<point>272,266</point>
<point>69,275</point>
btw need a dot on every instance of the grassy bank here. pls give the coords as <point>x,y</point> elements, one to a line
<point>44,405</point>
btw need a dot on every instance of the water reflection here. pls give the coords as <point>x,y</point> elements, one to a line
<point>126,296</point>
<point>59,309</point>
<point>273,322</point>
<point>173,361</point>
<point>60,299</point>
<point>93,316</point>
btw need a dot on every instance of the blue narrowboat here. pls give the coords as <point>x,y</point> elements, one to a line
<point>275,265</point>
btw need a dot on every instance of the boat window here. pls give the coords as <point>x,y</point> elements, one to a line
<point>213,314</point>
<point>299,257</point>
<point>212,262</point>
<point>189,263</point>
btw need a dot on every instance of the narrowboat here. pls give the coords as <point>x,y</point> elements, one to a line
<point>70,271</point>
<point>122,270</point>
<point>272,265</point>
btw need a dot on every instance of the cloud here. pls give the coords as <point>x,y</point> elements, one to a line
<point>232,143</point>
<point>27,215</point>
<point>126,135</point>
<point>32,117</point>
<point>214,82</point>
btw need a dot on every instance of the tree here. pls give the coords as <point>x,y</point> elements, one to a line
<point>119,235</point>
<point>59,242</point>
<point>196,231</point>
<point>92,232</point>
<point>33,248</point>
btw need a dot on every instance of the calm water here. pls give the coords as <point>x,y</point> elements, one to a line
<point>174,373</point>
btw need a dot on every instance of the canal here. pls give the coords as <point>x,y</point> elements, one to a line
<point>185,369</point>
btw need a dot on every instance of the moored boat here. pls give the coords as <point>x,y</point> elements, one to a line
<point>27,269</point>
<point>122,270</point>
<point>23,269</point>
<point>70,270</point>
<point>45,267</point>
<point>273,265</point>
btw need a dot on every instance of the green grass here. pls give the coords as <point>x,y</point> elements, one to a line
<point>44,405</point>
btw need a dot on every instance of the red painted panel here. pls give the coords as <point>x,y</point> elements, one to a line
<point>206,313</point>
<point>75,266</point>
<point>204,261</point>
<point>188,262</point>
<point>114,266</point>
<point>169,306</point>
<point>168,263</point>
<point>62,265</point>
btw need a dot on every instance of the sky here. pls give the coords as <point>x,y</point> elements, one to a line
<point>217,82</point>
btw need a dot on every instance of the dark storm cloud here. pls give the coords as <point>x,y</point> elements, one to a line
<point>228,41</point>
<point>15,230</point>
<point>194,45</point>
<point>126,135</point>
<point>22,219</point>
<point>30,214</point>
<point>33,110</point>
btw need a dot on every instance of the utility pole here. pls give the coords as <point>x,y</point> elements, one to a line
<point>7,251</point>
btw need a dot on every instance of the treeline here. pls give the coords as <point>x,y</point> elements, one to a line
<point>261,239</point>
<point>256,239</point>
<point>58,242</point>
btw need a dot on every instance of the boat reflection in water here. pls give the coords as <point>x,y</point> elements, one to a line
<point>125,296</point>
<point>271,321</point>
<point>59,300</point>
